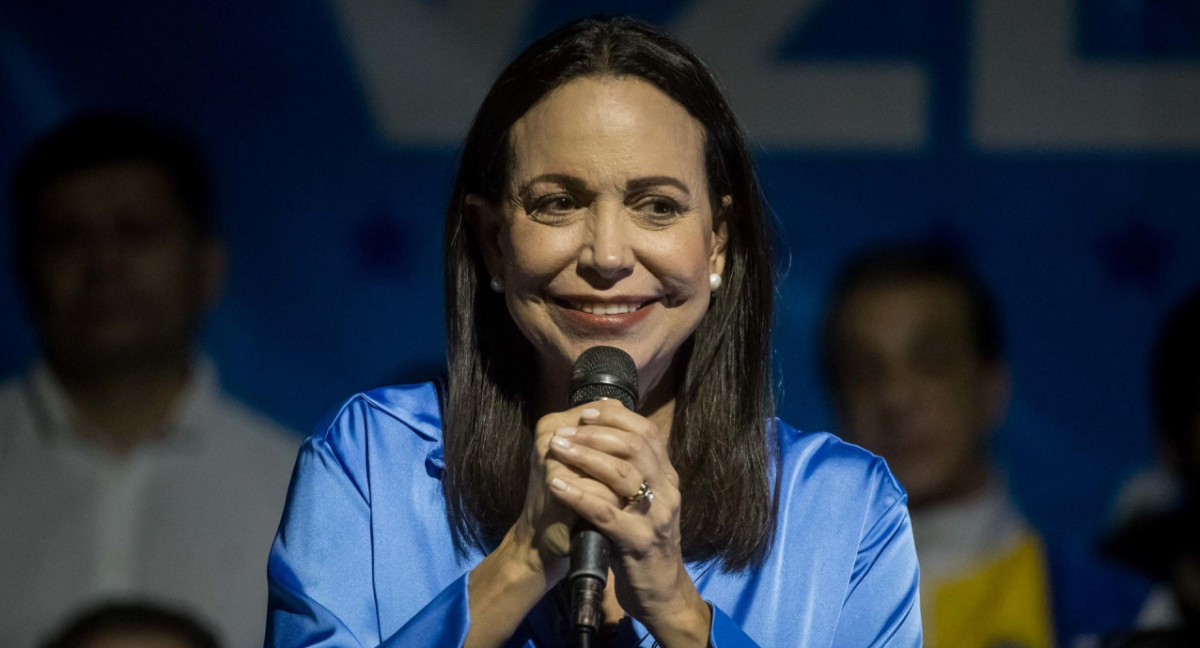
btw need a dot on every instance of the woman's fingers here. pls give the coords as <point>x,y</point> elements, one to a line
<point>620,475</point>
<point>549,424</point>
<point>631,534</point>
<point>612,414</point>
<point>617,457</point>
<point>616,447</point>
<point>558,470</point>
<point>593,458</point>
<point>597,488</point>
<point>635,436</point>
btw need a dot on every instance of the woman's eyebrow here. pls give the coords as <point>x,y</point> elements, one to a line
<point>657,181</point>
<point>570,183</point>
<point>566,181</point>
<point>575,184</point>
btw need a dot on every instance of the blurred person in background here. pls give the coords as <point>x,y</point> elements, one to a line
<point>124,469</point>
<point>1158,531</point>
<point>912,356</point>
<point>133,624</point>
<point>1175,382</point>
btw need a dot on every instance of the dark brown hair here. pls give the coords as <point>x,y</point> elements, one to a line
<point>92,140</point>
<point>123,618</point>
<point>899,262</point>
<point>719,442</point>
<point>1175,381</point>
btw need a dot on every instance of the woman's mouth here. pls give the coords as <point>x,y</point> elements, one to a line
<point>604,316</point>
<point>605,308</point>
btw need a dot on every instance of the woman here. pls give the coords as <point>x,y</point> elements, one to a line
<point>605,196</point>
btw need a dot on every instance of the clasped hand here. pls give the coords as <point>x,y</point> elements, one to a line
<point>587,463</point>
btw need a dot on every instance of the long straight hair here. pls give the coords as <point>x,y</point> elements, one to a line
<point>720,443</point>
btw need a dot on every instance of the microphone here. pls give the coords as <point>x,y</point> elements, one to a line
<point>600,373</point>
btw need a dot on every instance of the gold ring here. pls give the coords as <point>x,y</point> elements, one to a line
<point>643,494</point>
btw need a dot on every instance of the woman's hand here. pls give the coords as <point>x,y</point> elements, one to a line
<point>586,462</point>
<point>544,527</point>
<point>535,553</point>
<point>595,468</point>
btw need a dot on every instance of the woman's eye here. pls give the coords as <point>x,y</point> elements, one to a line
<point>555,205</point>
<point>661,208</point>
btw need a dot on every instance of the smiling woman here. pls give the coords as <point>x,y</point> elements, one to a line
<point>607,233</point>
<point>604,197</point>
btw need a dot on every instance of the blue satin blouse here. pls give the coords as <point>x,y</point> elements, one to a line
<point>364,556</point>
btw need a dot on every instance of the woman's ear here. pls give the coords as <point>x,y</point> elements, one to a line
<point>716,261</point>
<point>487,224</point>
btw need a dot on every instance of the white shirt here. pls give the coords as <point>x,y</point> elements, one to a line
<point>186,520</point>
<point>954,538</point>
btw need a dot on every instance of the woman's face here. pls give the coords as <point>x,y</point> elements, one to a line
<point>605,235</point>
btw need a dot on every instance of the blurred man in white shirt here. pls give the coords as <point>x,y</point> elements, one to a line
<point>124,470</point>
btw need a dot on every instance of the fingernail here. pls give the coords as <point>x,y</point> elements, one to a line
<point>589,413</point>
<point>561,442</point>
<point>566,431</point>
<point>558,484</point>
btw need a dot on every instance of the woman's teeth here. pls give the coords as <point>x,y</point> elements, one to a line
<point>598,308</point>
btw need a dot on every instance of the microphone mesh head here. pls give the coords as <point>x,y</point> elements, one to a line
<point>605,359</point>
<point>604,372</point>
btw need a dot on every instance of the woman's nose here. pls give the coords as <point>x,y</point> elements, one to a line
<point>608,254</point>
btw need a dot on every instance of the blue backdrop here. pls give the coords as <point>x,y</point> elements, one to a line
<point>1056,140</point>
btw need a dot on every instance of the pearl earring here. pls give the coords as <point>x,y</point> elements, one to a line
<point>714,281</point>
<point>497,284</point>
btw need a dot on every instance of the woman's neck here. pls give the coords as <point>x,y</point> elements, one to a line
<point>659,406</point>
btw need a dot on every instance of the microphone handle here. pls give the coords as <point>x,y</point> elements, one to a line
<point>588,576</point>
<point>599,373</point>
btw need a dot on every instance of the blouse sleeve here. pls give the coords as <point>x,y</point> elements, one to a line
<point>726,633</point>
<point>320,571</point>
<point>882,604</point>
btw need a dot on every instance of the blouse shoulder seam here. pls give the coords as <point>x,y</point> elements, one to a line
<point>367,400</point>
